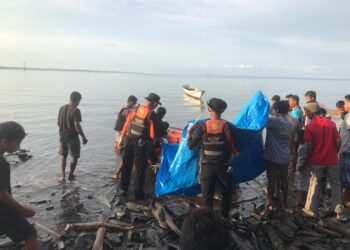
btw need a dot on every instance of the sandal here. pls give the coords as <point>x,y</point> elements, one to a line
<point>308,213</point>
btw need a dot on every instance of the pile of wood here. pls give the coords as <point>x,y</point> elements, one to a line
<point>291,231</point>
<point>157,225</point>
<point>128,226</point>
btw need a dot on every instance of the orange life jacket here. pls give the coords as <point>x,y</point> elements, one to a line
<point>214,142</point>
<point>138,124</point>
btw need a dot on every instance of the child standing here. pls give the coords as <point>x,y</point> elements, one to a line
<point>12,214</point>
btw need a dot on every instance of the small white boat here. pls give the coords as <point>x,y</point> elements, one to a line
<point>193,92</point>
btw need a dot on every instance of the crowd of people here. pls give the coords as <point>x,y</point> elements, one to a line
<point>298,139</point>
<point>306,140</point>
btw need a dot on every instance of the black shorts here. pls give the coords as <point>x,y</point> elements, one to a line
<point>72,146</point>
<point>277,171</point>
<point>15,226</point>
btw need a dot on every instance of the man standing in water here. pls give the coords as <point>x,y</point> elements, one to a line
<point>140,131</point>
<point>216,141</point>
<point>122,116</point>
<point>69,119</point>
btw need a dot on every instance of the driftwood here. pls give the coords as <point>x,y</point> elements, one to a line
<point>321,229</point>
<point>103,200</point>
<point>336,226</point>
<point>276,242</point>
<point>163,218</point>
<point>95,225</point>
<point>255,241</point>
<point>240,242</point>
<point>243,201</point>
<point>136,207</point>
<point>47,230</point>
<point>69,192</point>
<point>287,227</point>
<point>100,235</point>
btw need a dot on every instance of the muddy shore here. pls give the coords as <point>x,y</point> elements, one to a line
<point>134,226</point>
<point>87,218</point>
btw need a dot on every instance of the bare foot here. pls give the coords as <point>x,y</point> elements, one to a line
<point>61,179</point>
<point>115,176</point>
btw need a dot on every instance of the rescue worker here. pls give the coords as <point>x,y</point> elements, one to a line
<point>140,131</point>
<point>121,119</point>
<point>215,138</point>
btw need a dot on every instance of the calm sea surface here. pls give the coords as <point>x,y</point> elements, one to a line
<point>33,99</point>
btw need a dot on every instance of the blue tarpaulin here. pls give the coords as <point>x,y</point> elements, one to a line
<point>178,173</point>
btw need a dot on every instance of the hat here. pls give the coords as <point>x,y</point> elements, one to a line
<point>132,98</point>
<point>218,105</point>
<point>313,107</point>
<point>152,97</point>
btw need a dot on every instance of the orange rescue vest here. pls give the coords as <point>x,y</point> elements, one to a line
<point>137,127</point>
<point>214,141</point>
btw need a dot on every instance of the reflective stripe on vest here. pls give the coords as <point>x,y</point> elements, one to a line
<point>137,126</point>
<point>214,143</point>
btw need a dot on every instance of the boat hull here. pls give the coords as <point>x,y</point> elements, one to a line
<point>174,136</point>
<point>194,93</point>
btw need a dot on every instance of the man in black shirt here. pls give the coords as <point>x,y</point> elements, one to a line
<point>12,214</point>
<point>122,115</point>
<point>161,126</point>
<point>69,119</point>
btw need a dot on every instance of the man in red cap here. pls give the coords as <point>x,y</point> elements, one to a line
<point>215,138</point>
<point>139,131</point>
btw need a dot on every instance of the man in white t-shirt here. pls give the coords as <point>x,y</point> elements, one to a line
<point>341,111</point>
<point>310,97</point>
<point>344,153</point>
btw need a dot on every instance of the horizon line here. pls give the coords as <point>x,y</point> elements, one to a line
<point>166,74</point>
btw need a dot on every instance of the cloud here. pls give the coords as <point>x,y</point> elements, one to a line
<point>262,37</point>
<point>313,44</point>
<point>215,66</point>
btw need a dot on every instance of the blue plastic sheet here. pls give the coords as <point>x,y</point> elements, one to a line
<point>178,172</point>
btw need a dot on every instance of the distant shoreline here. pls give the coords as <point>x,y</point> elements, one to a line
<point>164,74</point>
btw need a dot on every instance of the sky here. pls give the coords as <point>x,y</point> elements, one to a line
<point>308,38</point>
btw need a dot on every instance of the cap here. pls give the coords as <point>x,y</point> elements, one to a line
<point>313,107</point>
<point>152,97</point>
